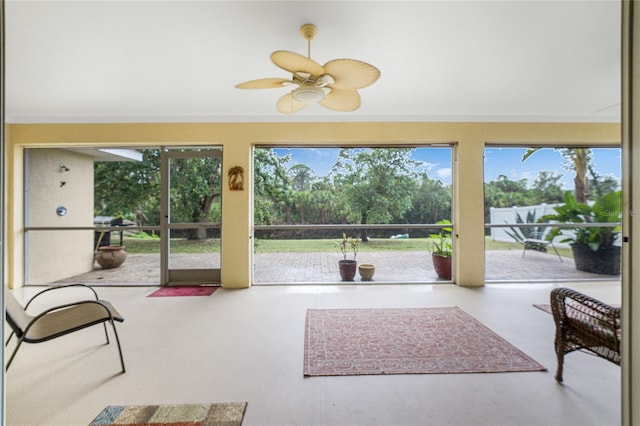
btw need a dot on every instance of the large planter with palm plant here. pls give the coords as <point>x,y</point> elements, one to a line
<point>594,248</point>
<point>441,250</point>
<point>348,267</point>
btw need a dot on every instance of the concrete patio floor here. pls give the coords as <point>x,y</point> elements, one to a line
<point>322,268</point>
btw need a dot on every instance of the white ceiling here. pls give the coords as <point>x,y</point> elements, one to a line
<point>178,61</point>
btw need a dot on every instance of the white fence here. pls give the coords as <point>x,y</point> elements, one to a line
<point>507,215</point>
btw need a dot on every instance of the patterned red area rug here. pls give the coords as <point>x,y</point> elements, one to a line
<point>341,342</point>
<point>183,291</point>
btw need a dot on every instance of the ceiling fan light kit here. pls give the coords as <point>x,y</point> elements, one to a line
<point>334,85</point>
<point>308,93</point>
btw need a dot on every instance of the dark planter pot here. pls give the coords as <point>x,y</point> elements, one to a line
<point>442,265</point>
<point>604,261</point>
<point>347,269</point>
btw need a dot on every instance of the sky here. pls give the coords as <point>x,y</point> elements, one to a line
<point>508,162</point>
<point>437,162</point>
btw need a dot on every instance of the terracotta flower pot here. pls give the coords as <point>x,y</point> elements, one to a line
<point>347,269</point>
<point>366,271</point>
<point>109,257</point>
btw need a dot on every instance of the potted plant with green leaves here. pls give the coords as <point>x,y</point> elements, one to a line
<point>346,266</point>
<point>594,249</point>
<point>441,250</point>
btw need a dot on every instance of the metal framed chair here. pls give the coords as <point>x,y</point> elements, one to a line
<point>59,320</point>
<point>537,243</point>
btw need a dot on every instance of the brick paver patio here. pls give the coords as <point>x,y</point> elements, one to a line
<point>322,268</point>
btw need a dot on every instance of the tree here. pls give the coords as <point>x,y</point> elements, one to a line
<point>599,185</point>
<point>324,205</point>
<point>504,192</point>
<point>133,188</point>
<point>272,186</point>
<point>374,184</point>
<point>196,183</point>
<point>431,202</point>
<point>547,188</point>
<point>301,177</point>
<point>130,188</point>
<point>576,160</point>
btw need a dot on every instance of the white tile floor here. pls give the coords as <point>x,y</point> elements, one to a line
<point>247,345</point>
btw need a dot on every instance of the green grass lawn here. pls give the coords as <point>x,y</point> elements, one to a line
<point>312,246</point>
<point>136,245</point>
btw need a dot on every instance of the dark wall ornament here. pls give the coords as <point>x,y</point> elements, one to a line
<point>236,178</point>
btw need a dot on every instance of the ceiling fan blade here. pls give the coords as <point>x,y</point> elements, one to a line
<point>294,63</point>
<point>351,73</point>
<point>264,83</point>
<point>342,100</point>
<point>287,105</point>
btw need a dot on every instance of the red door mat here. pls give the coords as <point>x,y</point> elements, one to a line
<point>183,291</point>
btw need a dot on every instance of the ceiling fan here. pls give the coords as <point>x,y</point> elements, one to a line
<point>333,85</point>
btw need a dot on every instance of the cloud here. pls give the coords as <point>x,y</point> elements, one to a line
<point>427,165</point>
<point>331,153</point>
<point>444,172</point>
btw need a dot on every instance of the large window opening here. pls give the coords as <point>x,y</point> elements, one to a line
<point>552,213</point>
<point>85,207</point>
<point>389,207</point>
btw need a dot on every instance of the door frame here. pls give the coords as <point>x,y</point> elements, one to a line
<point>177,276</point>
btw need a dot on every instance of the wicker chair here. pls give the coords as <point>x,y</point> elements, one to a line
<point>59,320</point>
<point>584,323</point>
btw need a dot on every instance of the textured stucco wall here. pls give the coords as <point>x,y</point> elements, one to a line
<point>52,255</point>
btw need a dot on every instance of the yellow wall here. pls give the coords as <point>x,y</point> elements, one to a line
<point>238,139</point>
